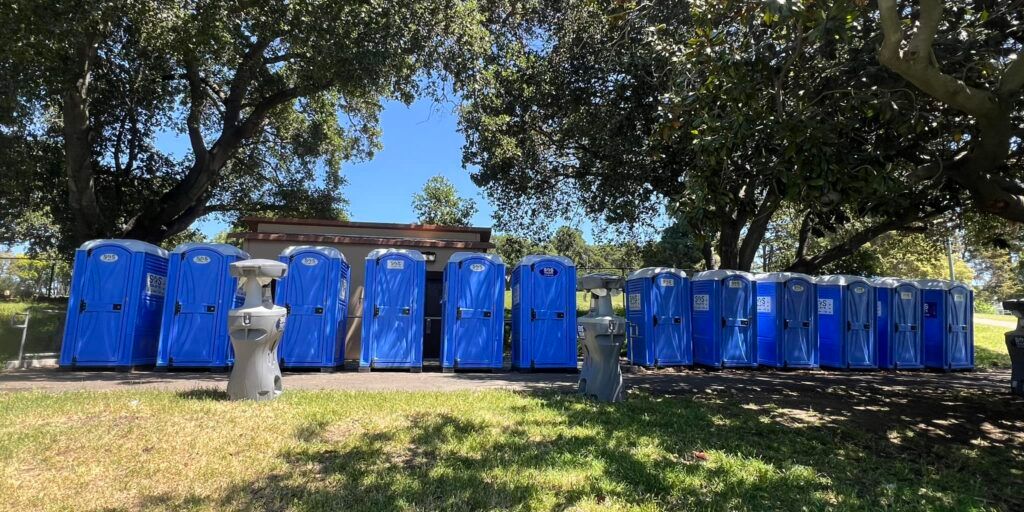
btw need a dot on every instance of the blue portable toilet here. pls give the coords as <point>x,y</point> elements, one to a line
<point>898,324</point>
<point>544,313</point>
<point>658,317</point>
<point>473,304</point>
<point>117,294</point>
<point>947,313</point>
<point>724,319</point>
<point>315,294</point>
<point>787,334</point>
<point>200,292</point>
<point>846,323</point>
<point>395,287</point>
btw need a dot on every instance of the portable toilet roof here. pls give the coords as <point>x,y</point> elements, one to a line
<point>933,284</point>
<point>536,258</point>
<point>380,253</point>
<point>653,271</point>
<point>330,252</point>
<point>842,280</point>
<point>780,277</point>
<point>131,245</point>
<point>715,275</point>
<point>463,255</point>
<point>224,249</point>
<point>890,282</point>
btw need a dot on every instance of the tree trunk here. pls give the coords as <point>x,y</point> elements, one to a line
<point>78,148</point>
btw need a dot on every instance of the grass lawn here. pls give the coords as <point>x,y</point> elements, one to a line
<point>490,450</point>
<point>44,328</point>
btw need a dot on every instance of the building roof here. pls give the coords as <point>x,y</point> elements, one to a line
<point>253,223</point>
<point>364,240</point>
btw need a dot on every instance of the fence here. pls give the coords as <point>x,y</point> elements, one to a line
<point>33,301</point>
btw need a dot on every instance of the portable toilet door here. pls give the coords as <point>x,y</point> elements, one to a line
<point>315,294</point>
<point>945,324</point>
<point>658,318</point>
<point>200,292</point>
<point>117,293</point>
<point>724,321</point>
<point>393,310</point>
<point>846,313</point>
<point>786,320</point>
<point>898,324</point>
<point>544,313</point>
<point>473,304</point>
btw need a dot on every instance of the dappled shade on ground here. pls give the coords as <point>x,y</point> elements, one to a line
<point>715,449</point>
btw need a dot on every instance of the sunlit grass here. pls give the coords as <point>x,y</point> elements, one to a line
<point>462,451</point>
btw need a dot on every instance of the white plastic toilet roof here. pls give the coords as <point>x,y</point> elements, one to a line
<point>329,252</point>
<point>890,282</point>
<point>379,253</point>
<point>131,245</point>
<point>648,272</point>
<point>780,277</point>
<point>537,258</point>
<point>465,255</point>
<point>715,275</point>
<point>841,279</point>
<point>225,249</point>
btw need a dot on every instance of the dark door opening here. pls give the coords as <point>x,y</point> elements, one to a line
<point>432,315</point>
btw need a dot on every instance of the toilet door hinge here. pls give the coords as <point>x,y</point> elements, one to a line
<point>177,308</point>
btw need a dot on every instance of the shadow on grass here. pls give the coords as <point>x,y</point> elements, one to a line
<point>203,394</point>
<point>554,452</point>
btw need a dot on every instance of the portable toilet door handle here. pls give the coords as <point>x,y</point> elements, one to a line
<point>376,311</point>
<point>678,320</point>
<point>406,311</point>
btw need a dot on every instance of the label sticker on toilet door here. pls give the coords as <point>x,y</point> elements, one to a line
<point>634,302</point>
<point>825,307</point>
<point>309,262</point>
<point>667,281</point>
<point>156,285</point>
<point>735,283</point>
<point>396,264</point>
<point>701,302</point>
<point>764,304</point>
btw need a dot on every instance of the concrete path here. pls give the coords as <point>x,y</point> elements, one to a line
<point>658,382</point>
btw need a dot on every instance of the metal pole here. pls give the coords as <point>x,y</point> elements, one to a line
<point>949,258</point>
<point>24,335</point>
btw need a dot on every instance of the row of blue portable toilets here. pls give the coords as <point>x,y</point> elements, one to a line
<point>132,304</point>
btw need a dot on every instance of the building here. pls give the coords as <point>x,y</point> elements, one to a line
<point>267,238</point>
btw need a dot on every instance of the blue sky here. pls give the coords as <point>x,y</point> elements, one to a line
<point>419,141</point>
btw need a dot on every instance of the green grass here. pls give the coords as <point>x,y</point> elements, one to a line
<point>44,328</point>
<point>490,450</point>
<point>990,347</point>
<point>1001,318</point>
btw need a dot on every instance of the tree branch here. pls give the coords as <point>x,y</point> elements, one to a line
<point>1012,80</point>
<point>917,65</point>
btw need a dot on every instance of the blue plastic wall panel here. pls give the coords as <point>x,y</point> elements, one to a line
<point>200,292</point>
<point>117,293</point>
<point>947,328</point>
<point>724,322</point>
<point>658,315</point>
<point>846,332</point>
<point>544,313</point>
<point>315,293</point>
<point>831,328</point>
<point>899,327</point>
<point>787,323</point>
<point>393,309</point>
<point>473,305</point>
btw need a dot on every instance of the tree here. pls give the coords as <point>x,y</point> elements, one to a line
<point>512,249</point>
<point>982,86</point>
<point>733,114</point>
<point>569,242</point>
<point>272,96</point>
<point>439,203</point>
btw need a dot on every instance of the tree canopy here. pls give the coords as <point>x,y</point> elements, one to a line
<point>728,115</point>
<point>271,96</point>
<point>439,203</point>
